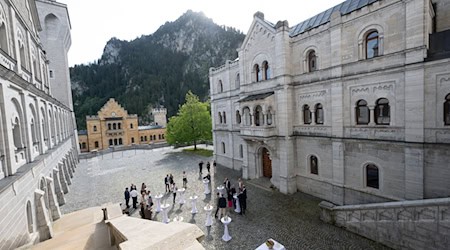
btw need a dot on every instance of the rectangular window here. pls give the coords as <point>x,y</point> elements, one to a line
<point>51,73</point>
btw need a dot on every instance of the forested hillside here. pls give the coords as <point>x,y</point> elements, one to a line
<point>155,69</point>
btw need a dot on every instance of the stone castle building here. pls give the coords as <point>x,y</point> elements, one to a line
<point>113,126</point>
<point>38,140</point>
<point>351,105</point>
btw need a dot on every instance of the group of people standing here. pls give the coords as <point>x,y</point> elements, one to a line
<point>229,201</point>
<point>146,200</point>
<point>224,199</point>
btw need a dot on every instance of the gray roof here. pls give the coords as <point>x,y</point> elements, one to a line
<point>256,97</point>
<point>324,17</point>
<point>149,127</point>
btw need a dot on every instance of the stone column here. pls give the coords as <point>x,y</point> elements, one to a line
<point>372,115</point>
<point>53,203</point>
<point>72,157</point>
<point>43,224</point>
<point>338,147</point>
<point>58,189</point>
<point>62,177</point>
<point>313,117</point>
<point>70,165</point>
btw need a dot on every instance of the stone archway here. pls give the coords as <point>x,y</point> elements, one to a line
<point>266,163</point>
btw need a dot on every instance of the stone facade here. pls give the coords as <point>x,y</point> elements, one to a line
<point>352,109</point>
<point>113,126</point>
<point>38,142</point>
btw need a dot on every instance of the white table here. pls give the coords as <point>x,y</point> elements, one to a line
<point>165,218</point>
<point>208,209</point>
<point>238,205</point>
<point>226,235</point>
<point>158,202</point>
<point>178,218</point>
<point>181,192</point>
<point>221,190</point>
<point>277,246</point>
<point>193,199</point>
<point>206,183</point>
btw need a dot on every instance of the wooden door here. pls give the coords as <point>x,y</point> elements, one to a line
<point>267,163</point>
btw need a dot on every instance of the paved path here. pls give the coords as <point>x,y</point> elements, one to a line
<point>293,220</point>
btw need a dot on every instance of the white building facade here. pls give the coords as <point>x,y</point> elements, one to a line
<point>38,144</point>
<point>351,105</point>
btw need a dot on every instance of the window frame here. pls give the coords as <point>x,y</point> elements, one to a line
<point>367,179</point>
<point>318,109</point>
<point>306,110</point>
<point>313,169</point>
<point>358,112</point>
<point>382,110</point>
<point>447,110</point>
<point>312,61</point>
<point>369,39</point>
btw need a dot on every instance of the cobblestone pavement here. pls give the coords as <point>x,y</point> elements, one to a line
<point>293,220</point>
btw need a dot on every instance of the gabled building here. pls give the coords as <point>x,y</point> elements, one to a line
<point>113,126</point>
<point>351,105</point>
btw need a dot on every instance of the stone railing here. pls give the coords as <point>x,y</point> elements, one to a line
<point>259,131</point>
<point>7,61</point>
<point>421,224</point>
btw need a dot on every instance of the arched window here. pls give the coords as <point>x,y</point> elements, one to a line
<point>312,61</point>
<point>120,141</point>
<point>96,144</point>
<point>17,135</point>
<point>131,125</point>
<point>266,69</point>
<point>83,145</point>
<point>220,87</point>
<point>132,139</point>
<point>154,137</point>
<point>238,117</point>
<point>119,125</point>
<point>29,216</point>
<point>306,114</point>
<point>259,120</point>
<point>237,82</point>
<point>21,43</point>
<point>314,164</point>
<point>220,118</point>
<point>33,132</point>
<point>142,138</point>
<point>382,112</point>
<point>159,137</point>
<point>319,114</point>
<point>3,33</point>
<point>362,113</point>
<point>95,128</point>
<point>372,176</point>
<point>372,44</point>
<point>109,126</point>
<point>115,142</point>
<point>224,117</point>
<point>269,117</point>
<point>241,151</point>
<point>162,136</point>
<point>447,110</point>
<point>257,73</point>
<point>110,142</point>
<point>223,147</point>
<point>145,138</point>
<point>114,126</point>
<point>247,117</point>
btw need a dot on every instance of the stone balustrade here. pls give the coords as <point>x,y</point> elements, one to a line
<point>418,224</point>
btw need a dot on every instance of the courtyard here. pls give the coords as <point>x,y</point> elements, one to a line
<point>293,220</point>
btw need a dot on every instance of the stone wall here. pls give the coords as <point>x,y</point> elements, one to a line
<point>418,224</point>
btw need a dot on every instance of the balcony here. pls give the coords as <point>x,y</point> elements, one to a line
<point>439,46</point>
<point>261,131</point>
<point>114,132</point>
<point>7,61</point>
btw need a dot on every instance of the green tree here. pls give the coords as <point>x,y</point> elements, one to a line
<point>192,123</point>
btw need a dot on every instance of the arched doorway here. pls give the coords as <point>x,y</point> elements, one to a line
<point>266,163</point>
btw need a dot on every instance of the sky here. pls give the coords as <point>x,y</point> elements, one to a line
<point>94,22</point>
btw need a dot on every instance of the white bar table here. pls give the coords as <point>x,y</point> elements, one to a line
<point>158,202</point>
<point>206,183</point>
<point>208,209</point>
<point>226,235</point>
<point>193,200</point>
<point>181,192</point>
<point>165,207</point>
<point>238,205</point>
<point>221,190</point>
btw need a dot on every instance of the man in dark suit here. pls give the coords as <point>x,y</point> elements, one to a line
<point>227,184</point>
<point>166,182</point>
<point>127,197</point>
<point>243,199</point>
